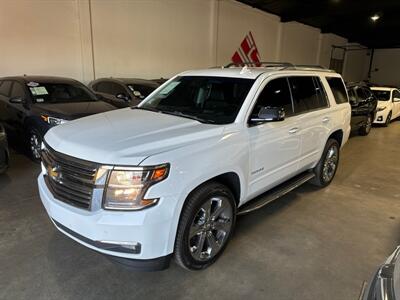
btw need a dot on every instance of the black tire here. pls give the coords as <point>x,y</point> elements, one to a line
<point>188,223</point>
<point>366,128</point>
<point>3,161</point>
<point>320,179</point>
<point>388,119</point>
<point>34,140</point>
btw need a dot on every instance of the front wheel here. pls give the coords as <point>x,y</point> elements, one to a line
<point>327,166</point>
<point>388,119</point>
<point>205,227</point>
<point>366,128</point>
<point>34,144</point>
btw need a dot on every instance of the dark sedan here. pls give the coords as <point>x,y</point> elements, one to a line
<point>31,105</point>
<point>4,154</point>
<point>363,107</point>
<point>123,92</point>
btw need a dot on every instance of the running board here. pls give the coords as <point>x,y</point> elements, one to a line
<point>275,193</point>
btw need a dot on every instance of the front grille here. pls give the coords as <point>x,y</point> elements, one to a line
<point>70,180</point>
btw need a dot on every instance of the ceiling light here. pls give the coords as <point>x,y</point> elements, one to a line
<point>375,17</point>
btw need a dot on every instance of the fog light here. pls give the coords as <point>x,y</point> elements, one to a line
<point>127,247</point>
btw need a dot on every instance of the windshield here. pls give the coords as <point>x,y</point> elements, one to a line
<point>382,95</point>
<point>206,99</point>
<point>60,93</point>
<point>141,91</point>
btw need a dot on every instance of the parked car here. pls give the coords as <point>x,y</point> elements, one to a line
<point>123,92</point>
<point>363,107</point>
<point>169,176</point>
<point>4,154</point>
<point>388,104</point>
<point>31,105</point>
<point>385,283</point>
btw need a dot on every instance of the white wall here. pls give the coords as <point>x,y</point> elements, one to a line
<point>299,43</point>
<point>387,63</point>
<point>327,40</point>
<point>40,37</point>
<point>235,20</point>
<point>148,38</point>
<point>356,65</point>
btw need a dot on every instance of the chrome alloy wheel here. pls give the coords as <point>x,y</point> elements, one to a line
<point>210,228</point>
<point>330,163</point>
<point>35,145</point>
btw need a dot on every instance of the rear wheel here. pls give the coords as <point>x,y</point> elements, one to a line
<point>366,128</point>
<point>326,169</point>
<point>34,144</point>
<point>388,119</point>
<point>205,227</point>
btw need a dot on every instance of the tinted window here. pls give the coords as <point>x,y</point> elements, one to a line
<point>17,90</point>
<point>338,89</point>
<point>275,94</point>
<point>60,93</point>
<point>361,94</point>
<point>5,88</point>
<point>396,94</point>
<point>205,98</point>
<point>352,96</point>
<point>382,95</point>
<point>110,88</point>
<point>306,94</point>
<point>101,87</point>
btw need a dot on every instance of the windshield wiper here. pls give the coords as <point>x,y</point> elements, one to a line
<point>146,108</point>
<point>183,115</point>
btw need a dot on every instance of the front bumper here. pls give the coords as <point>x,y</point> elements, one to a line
<point>151,230</point>
<point>381,116</point>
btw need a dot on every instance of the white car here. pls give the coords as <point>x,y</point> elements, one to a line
<point>388,104</point>
<point>170,176</point>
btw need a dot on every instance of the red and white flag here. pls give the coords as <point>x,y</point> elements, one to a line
<point>247,51</point>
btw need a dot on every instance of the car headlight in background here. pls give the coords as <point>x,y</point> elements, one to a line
<point>52,120</point>
<point>125,187</point>
<point>381,108</point>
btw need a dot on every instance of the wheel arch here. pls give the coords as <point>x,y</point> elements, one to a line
<point>337,135</point>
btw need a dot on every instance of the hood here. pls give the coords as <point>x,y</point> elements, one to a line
<point>382,104</point>
<point>128,136</point>
<point>72,110</point>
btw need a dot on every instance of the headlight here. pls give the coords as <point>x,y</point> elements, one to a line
<point>52,120</point>
<point>381,108</point>
<point>126,187</point>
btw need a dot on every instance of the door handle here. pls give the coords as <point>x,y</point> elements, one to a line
<point>325,120</point>
<point>293,130</point>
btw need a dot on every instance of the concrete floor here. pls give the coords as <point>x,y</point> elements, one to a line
<point>311,244</point>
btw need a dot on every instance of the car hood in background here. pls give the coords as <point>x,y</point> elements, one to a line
<point>72,110</point>
<point>128,136</point>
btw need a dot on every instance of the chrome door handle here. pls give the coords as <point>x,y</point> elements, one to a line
<point>293,130</point>
<point>325,120</point>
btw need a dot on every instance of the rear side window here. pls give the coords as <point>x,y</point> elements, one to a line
<point>17,90</point>
<point>307,94</point>
<point>275,94</point>
<point>110,88</point>
<point>5,88</point>
<point>338,89</point>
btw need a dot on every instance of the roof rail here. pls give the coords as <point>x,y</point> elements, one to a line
<point>283,65</point>
<point>314,67</point>
<point>260,64</point>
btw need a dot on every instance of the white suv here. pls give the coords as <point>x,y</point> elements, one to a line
<point>170,176</point>
<point>388,104</point>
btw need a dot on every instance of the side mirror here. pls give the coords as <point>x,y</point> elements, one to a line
<point>396,99</point>
<point>17,100</point>
<point>122,96</point>
<point>269,114</point>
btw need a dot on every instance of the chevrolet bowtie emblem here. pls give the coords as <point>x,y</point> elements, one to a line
<point>53,172</point>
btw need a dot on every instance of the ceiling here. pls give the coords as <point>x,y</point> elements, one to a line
<point>347,18</point>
